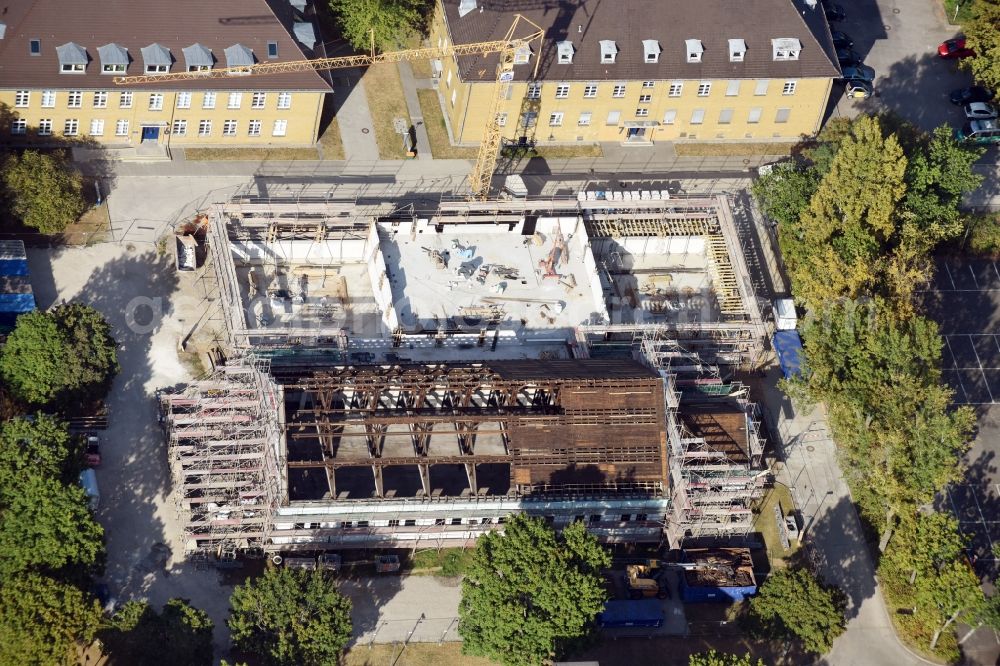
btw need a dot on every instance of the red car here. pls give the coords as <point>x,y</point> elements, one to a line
<point>92,454</point>
<point>954,49</point>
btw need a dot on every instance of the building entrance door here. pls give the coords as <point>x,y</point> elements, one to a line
<point>636,134</point>
<point>150,133</point>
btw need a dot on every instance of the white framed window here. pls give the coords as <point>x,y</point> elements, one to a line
<point>199,68</point>
<point>562,91</point>
<point>97,127</point>
<point>19,126</point>
<point>258,100</point>
<point>529,119</point>
<point>704,88</point>
<point>125,100</point>
<point>733,88</point>
<point>676,88</point>
<point>45,127</point>
<point>73,69</point>
<point>121,127</point>
<point>584,120</point>
<point>235,100</point>
<point>789,88</point>
<point>183,100</point>
<point>613,117</point>
<point>454,97</point>
<point>648,84</point>
<point>280,127</point>
<point>208,100</point>
<point>113,69</point>
<point>157,69</point>
<point>534,91</point>
<point>698,116</point>
<point>590,90</point>
<point>501,120</point>
<point>101,99</point>
<point>228,128</point>
<point>781,116</point>
<point>284,100</point>
<point>754,116</point>
<point>786,48</point>
<point>619,90</point>
<point>74,99</point>
<point>253,128</point>
<point>556,119</point>
<point>204,127</point>
<point>670,116</point>
<point>156,101</point>
<point>645,99</point>
<point>22,98</point>
<point>180,127</point>
<point>447,80</point>
<point>725,116</point>
<point>641,112</point>
<point>761,87</point>
<point>48,99</point>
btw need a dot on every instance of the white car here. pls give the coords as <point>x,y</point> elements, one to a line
<point>980,111</point>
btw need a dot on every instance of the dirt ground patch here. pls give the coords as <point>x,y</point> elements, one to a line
<point>330,142</point>
<point>386,101</point>
<point>250,154</point>
<point>732,149</point>
<point>437,132</point>
<point>415,654</point>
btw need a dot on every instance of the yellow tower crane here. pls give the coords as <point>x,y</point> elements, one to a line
<point>489,148</point>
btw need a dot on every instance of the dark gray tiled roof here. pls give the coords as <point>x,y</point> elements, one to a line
<point>586,23</point>
<point>140,25</point>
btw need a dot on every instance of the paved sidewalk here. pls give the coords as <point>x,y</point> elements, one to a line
<point>354,116</point>
<point>423,146</point>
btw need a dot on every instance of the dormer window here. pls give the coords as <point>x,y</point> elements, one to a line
<point>114,58</point>
<point>240,58</point>
<point>737,50</point>
<point>198,58</point>
<point>786,48</point>
<point>156,59</point>
<point>651,50</point>
<point>522,55</point>
<point>72,58</point>
<point>609,51</point>
<point>466,7</point>
<point>565,52</point>
<point>694,49</point>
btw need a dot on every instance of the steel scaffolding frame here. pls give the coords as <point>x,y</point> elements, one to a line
<point>222,441</point>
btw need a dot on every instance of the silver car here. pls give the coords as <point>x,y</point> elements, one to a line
<point>980,111</point>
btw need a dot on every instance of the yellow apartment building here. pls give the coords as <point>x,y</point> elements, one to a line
<point>640,71</point>
<point>59,59</point>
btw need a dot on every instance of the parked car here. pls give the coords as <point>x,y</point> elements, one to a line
<point>848,57</point>
<point>859,89</point>
<point>858,72</point>
<point>980,111</point>
<point>955,48</point>
<point>841,40</point>
<point>964,96</point>
<point>980,131</point>
<point>834,12</point>
<point>92,452</point>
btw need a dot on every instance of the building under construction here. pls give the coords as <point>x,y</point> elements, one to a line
<point>405,379</point>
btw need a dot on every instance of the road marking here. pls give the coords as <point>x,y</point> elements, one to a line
<point>973,274</point>
<point>951,279</point>
<point>981,372</point>
<point>958,375</point>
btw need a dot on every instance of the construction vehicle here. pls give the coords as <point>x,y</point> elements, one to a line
<point>489,148</point>
<point>642,584</point>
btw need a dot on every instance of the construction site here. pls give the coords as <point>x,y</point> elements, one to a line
<point>403,378</point>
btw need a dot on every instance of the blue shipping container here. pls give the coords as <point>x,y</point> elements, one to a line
<point>701,594</point>
<point>788,345</point>
<point>638,613</point>
<point>13,266</point>
<point>17,303</point>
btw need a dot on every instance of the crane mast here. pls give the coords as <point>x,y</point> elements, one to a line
<point>489,149</point>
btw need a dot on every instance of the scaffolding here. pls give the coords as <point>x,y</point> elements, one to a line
<point>715,475</point>
<point>222,437</point>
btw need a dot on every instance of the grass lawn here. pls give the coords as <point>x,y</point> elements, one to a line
<point>732,149</point>
<point>437,132</point>
<point>766,525</point>
<point>249,154</point>
<point>964,11</point>
<point>415,654</point>
<point>331,142</point>
<point>565,152</point>
<point>385,99</point>
<point>446,562</point>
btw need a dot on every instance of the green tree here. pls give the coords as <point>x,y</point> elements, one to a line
<point>40,446</point>
<point>393,21</point>
<point>65,358</point>
<point>182,634</point>
<point>530,594</point>
<point>982,34</point>
<point>793,603</point>
<point>44,190</point>
<point>291,617</point>
<point>713,658</point>
<point>47,525</point>
<point>42,619</point>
